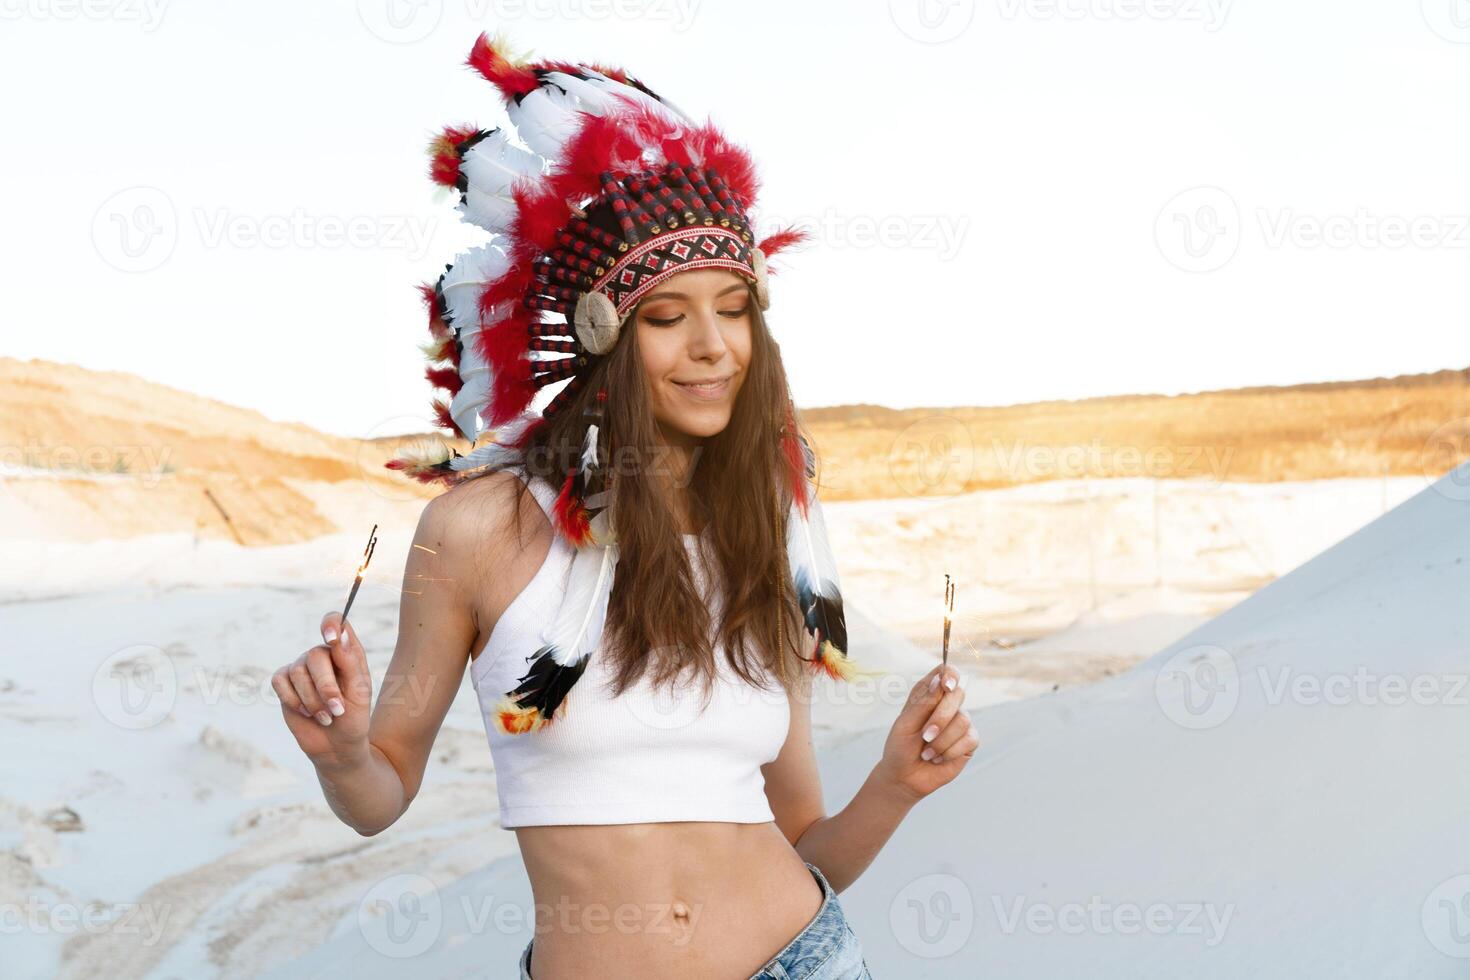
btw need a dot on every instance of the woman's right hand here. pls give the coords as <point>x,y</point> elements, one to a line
<point>326,696</point>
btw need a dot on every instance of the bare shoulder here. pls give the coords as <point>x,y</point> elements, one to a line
<point>490,534</point>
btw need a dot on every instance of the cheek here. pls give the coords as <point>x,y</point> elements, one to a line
<point>659,355</point>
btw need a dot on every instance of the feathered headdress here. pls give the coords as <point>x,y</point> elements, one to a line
<point>614,191</point>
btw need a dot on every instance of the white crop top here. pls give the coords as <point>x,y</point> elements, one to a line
<point>647,756</point>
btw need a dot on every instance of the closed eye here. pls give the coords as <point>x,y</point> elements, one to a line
<point>731,314</point>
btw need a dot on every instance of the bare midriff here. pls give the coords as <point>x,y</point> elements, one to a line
<point>664,900</point>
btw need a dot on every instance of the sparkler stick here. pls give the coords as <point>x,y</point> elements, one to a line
<point>367,556</point>
<point>948,612</point>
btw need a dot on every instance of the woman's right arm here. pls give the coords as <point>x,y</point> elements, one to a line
<point>371,769</point>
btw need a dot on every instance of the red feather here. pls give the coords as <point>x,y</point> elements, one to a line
<point>489,61</point>
<point>571,514</point>
<point>444,157</point>
<point>446,378</point>
<point>785,238</point>
<point>442,418</point>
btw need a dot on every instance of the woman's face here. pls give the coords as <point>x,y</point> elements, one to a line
<point>695,327</point>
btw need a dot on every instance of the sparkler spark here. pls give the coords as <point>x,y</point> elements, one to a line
<point>367,556</point>
<point>948,612</point>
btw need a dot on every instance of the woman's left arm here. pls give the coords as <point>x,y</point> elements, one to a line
<point>844,844</point>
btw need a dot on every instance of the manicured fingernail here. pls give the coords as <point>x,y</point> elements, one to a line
<point>930,732</point>
<point>949,683</point>
<point>336,705</point>
<point>330,634</point>
<point>934,682</point>
<point>928,753</point>
<point>323,717</point>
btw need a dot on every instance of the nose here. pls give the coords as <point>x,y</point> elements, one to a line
<point>706,342</point>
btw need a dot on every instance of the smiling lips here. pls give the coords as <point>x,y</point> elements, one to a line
<point>706,390</point>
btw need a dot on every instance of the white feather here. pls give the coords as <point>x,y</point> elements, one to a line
<point>492,168</point>
<point>499,452</point>
<point>589,449</point>
<point>544,120</point>
<point>466,278</point>
<point>579,621</point>
<point>807,548</point>
<point>474,393</point>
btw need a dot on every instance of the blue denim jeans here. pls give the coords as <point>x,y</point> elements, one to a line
<point>827,949</point>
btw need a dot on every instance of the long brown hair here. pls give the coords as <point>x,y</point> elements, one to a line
<point>656,619</point>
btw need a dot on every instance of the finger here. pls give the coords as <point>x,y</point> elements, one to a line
<point>958,727</point>
<point>305,687</point>
<point>947,707</point>
<point>281,683</point>
<point>331,627</point>
<point>963,749</point>
<point>351,661</point>
<point>924,695</point>
<point>319,663</point>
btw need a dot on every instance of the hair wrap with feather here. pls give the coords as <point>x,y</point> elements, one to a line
<point>609,191</point>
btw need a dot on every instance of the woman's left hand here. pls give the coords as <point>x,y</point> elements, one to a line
<point>916,765</point>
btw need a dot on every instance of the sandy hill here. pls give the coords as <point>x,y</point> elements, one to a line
<point>1410,425</point>
<point>135,457</point>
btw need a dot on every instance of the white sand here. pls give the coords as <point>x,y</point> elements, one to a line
<point>205,848</point>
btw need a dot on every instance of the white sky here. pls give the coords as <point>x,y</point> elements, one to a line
<point>1024,161</point>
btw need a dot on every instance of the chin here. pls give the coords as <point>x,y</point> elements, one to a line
<point>700,423</point>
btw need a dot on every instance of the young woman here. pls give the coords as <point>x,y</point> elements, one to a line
<point>642,601</point>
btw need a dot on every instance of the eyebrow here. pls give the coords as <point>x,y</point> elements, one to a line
<point>673,294</point>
